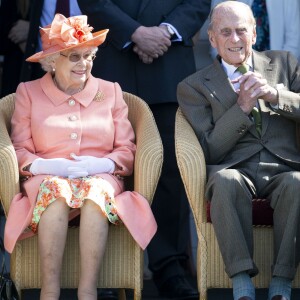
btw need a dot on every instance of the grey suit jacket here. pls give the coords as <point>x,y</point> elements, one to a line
<point>226,134</point>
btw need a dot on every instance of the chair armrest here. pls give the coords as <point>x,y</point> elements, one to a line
<point>191,164</point>
<point>9,173</point>
<point>149,149</point>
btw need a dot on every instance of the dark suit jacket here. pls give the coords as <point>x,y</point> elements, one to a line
<point>15,69</point>
<point>226,134</point>
<point>32,71</point>
<point>8,16</point>
<point>157,82</point>
<point>13,56</point>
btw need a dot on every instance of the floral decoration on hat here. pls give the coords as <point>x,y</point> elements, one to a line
<point>66,33</point>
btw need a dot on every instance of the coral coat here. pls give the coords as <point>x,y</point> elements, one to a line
<point>48,123</point>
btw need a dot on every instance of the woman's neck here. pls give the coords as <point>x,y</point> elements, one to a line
<point>68,90</point>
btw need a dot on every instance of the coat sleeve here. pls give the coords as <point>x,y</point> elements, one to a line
<point>21,129</point>
<point>124,147</point>
<point>188,17</point>
<point>122,19</point>
<point>105,14</point>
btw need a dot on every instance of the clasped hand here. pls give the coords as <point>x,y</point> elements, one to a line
<point>81,166</point>
<point>252,87</point>
<point>19,32</point>
<point>150,42</point>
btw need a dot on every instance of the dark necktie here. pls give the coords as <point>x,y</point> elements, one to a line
<point>260,13</point>
<point>255,111</point>
<point>63,7</point>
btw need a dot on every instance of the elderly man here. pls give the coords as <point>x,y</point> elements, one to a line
<point>244,109</point>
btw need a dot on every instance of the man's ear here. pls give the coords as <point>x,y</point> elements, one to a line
<point>211,38</point>
<point>254,35</point>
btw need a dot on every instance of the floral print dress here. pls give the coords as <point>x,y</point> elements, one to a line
<point>75,191</point>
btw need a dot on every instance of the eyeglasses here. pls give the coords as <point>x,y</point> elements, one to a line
<point>75,57</point>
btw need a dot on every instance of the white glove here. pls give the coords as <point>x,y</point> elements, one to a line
<point>59,167</point>
<point>96,165</point>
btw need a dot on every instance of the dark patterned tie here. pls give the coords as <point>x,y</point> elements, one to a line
<point>260,13</point>
<point>63,7</point>
<point>255,113</point>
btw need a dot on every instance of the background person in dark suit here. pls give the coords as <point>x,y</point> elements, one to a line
<point>149,49</point>
<point>14,27</point>
<point>42,13</point>
<point>245,158</point>
<point>20,21</point>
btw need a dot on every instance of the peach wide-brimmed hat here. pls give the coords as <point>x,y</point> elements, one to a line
<point>67,33</point>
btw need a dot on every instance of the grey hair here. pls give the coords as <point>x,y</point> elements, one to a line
<point>212,12</point>
<point>48,60</point>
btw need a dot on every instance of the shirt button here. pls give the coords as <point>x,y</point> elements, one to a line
<point>73,118</point>
<point>73,136</point>
<point>72,102</point>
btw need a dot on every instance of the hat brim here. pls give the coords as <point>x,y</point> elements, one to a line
<point>98,38</point>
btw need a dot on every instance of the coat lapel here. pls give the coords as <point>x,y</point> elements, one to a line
<point>143,5</point>
<point>262,65</point>
<point>219,84</point>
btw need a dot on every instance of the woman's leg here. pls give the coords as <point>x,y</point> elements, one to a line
<point>92,239</point>
<point>52,234</point>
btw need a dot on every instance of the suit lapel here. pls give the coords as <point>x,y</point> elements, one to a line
<point>219,84</point>
<point>262,65</point>
<point>143,4</point>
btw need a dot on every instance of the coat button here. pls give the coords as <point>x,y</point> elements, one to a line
<point>72,102</point>
<point>73,118</point>
<point>73,136</point>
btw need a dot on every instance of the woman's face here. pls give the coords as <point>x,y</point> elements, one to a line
<point>73,68</point>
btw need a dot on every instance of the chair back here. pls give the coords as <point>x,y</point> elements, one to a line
<point>148,143</point>
<point>7,106</point>
<point>9,165</point>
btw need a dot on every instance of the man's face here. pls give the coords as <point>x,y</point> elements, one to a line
<point>233,35</point>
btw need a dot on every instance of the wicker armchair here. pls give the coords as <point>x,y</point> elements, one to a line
<point>210,266</point>
<point>123,261</point>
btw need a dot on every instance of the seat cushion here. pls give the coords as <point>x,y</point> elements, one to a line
<point>262,212</point>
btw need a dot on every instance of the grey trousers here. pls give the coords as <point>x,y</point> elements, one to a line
<point>231,191</point>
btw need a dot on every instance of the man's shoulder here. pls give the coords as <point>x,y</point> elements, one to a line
<point>283,60</point>
<point>275,54</point>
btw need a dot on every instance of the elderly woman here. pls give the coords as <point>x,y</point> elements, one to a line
<point>74,143</point>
